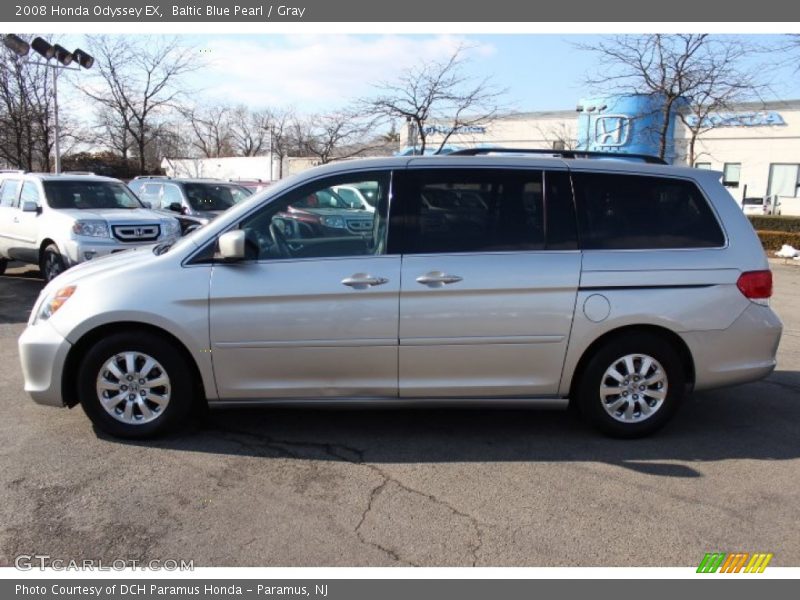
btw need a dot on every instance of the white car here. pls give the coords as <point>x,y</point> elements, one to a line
<point>57,221</point>
<point>761,206</point>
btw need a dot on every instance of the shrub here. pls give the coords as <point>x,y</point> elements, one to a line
<point>773,240</point>
<point>775,223</point>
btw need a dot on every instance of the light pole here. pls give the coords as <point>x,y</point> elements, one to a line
<point>63,56</point>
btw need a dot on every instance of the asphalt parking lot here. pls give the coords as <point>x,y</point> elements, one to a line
<point>406,487</point>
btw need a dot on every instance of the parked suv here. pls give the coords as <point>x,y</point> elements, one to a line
<point>194,202</point>
<point>613,285</point>
<point>57,221</point>
<point>332,212</point>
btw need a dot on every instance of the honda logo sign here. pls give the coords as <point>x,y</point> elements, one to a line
<point>611,130</point>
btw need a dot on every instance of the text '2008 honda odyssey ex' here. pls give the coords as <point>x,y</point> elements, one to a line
<point>494,279</point>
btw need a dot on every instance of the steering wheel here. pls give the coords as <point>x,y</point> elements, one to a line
<point>279,240</point>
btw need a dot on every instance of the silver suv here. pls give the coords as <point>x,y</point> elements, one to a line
<point>615,285</point>
<point>57,221</point>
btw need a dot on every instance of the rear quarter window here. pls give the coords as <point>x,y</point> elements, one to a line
<point>639,212</point>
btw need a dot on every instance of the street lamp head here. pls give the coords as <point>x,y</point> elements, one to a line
<point>16,44</point>
<point>63,55</point>
<point>43,48</point>
<point>83,59</point>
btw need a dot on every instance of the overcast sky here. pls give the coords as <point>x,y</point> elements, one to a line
<point>318,73</point>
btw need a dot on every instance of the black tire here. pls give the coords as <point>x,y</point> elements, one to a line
<point>3,265</point>
<point>587,391</point>
<point>177,370</point>
<point>52,264</point>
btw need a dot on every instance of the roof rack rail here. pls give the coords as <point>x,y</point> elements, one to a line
<point>77,173</point>
<point>152,177</point>
<point>558,153</point>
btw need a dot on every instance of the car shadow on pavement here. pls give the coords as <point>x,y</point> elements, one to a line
<point>18,292</point>
<point>759,421</point>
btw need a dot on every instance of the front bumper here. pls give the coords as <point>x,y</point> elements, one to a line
<point>743,352</point>
<point>43,352</point>
<point>79,250</point>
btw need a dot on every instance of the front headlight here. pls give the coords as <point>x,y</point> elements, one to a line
<point>335,222</point>
<point>53,302</point>
<point>172,228</point>
<point>91,228</point>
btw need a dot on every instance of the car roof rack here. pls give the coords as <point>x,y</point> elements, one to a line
<point>558,153</point>
<point>152,177</point>
<point>77,173</point>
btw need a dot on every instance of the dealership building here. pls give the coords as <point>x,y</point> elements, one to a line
<point>755,145</point>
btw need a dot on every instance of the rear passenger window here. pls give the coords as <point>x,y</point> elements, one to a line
<point>640,212</point>
<point>472,211</point>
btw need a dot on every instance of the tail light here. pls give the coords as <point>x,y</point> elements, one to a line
<point>755,285</point>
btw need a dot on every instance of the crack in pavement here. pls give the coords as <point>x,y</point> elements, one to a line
<point>354,456</point>
<point>376,491</point>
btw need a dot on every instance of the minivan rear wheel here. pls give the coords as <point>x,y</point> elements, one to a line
<point>632,385</point>
<point>135,385</point>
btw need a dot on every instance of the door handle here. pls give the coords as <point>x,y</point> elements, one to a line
<point>16,219</point>
<point>362,281</point>
<point>437,279</point>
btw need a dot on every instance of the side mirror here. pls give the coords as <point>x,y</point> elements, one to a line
<point>29,206</point>
<point>231,245</point>
<point>176,207</point>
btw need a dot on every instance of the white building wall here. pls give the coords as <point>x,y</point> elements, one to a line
<point>523,130</point>
<point>238,167</point>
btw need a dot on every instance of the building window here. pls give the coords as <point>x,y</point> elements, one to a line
<point>559,145</point>
<point>784,180</point>
<point>700,165</point>
<point>730,174</point>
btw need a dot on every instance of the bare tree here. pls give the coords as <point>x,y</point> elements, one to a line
<point>332,136</point>
<point>27,131</point>
<point>250,131</point>
<point>113,131</point>
<point>211,129</point>
<point>282,140</point>
<point>439,94</point>
<point>140,82</point>
<point>685,71</point>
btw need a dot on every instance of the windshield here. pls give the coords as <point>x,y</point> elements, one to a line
<point>90,194</point>
<point>214,196</point>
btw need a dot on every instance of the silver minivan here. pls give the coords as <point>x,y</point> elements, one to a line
<point>614,285</point>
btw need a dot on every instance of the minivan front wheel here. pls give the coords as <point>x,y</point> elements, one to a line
<point>135,385</point>
<point>632,385</point>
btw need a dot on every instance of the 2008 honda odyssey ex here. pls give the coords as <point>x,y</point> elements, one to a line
<point>488,278</point>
